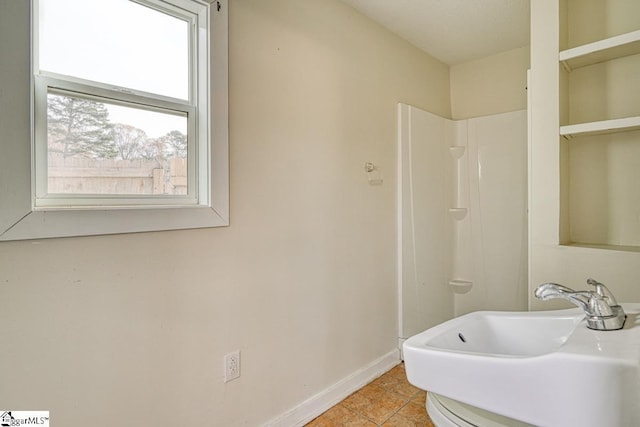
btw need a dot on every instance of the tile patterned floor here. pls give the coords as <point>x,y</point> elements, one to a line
<point>388,401</point>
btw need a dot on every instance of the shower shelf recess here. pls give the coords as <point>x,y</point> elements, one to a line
<point>593,53</point>
<point>460,286</point>
<point>458,213</point>
<point>456,151</point>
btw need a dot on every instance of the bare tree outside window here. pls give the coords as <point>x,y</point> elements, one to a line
<point>129,141</point>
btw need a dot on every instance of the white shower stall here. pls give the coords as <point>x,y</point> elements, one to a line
<point>462,220</point>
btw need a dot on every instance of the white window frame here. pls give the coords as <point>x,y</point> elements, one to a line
<point>24,216</point>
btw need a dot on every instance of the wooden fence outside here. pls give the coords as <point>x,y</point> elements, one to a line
<point>120,177</point>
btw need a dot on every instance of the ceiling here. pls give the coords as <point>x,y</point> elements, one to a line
<point>453,31</point>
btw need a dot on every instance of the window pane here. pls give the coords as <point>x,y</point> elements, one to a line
<point>116,42</point>
<point>97,147</point>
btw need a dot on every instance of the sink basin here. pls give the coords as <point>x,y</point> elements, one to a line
<point>545,368</point>
<point>505,334</point>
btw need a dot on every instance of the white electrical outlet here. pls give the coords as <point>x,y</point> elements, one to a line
<point>232,366</point>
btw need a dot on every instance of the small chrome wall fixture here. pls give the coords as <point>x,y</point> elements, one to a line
<point>373,173</point>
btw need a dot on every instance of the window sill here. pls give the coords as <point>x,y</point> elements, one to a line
<point>87,222</point>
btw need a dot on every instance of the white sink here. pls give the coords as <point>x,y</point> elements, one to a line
<point>504,333</point>
<point>545,368</point>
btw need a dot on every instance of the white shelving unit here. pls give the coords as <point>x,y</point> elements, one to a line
<point>594,53</point>
<point>593,63</point>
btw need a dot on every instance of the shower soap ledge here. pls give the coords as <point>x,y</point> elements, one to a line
<point>456,151</point>
<point>460,286</point>
<point>458,213</point>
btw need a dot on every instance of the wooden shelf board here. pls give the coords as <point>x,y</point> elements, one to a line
<point>603,246</point>
<point>601,127</point>
<point>600,51</point>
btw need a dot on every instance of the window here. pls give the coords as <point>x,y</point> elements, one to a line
<point>129,106</point>
<point>117,102</point>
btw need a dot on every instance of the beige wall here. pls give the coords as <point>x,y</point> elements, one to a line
<point>491,85</point>
<point>134,328</point>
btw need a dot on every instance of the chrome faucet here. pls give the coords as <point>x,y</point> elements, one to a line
<point>600,306</point>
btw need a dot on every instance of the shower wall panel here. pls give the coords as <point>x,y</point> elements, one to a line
<point>462,216</point>
<point>497,229</point>
<point>425,236</point>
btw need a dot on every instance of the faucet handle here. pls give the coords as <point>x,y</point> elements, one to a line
<point>603,291</point>
<point>598,305</point>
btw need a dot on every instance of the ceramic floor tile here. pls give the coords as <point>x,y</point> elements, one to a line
<point>403,388</point>
<point>382,408</point>
<point>321,421</point>
<point>356,402</point>
<point>399,421</point>
<point>387,401</point>
<point>341,416</point>
<point>398,371</point>
<point>372,391</point>
<point>420,398</point>
<point>360,422</point>
<point>386,380</point>
<point>414,412</point>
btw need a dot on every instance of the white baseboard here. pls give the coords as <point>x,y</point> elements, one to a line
<point>316,405</point>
